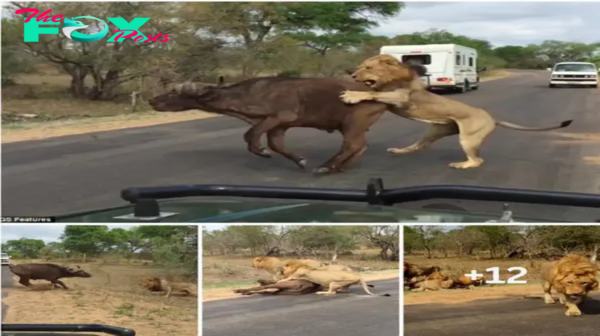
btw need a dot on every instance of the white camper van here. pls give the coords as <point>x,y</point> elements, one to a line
<point>449,66</point>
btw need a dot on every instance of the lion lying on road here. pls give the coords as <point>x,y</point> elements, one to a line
<point>275,265</point>
<point>154,284</point>
<point>334,280</point>
<point>435,281</point>
<point>397,85</point>
<point>573,277</point>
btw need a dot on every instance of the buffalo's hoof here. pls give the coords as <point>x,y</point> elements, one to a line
<point>302,163</point>
<point>322,170</point>
<point>265,152</point>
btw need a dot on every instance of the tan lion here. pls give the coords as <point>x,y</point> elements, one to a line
<point>464,281</point>
<point>292,266</point>
<point>155,284</point>
<point>275,265</point>
<point>398,85</point>
<point>573,277</point>
<point>336,281</point>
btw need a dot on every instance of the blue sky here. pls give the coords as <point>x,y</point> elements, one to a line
<point>47,232</point>
<point>502,23</point>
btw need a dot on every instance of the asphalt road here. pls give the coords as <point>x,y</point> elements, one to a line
<point>507,317</point>
<point>308,315</point>
<point>77,173</point>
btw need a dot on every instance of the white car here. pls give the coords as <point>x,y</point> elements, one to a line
<point>574,73</point>
<point>5,259</point>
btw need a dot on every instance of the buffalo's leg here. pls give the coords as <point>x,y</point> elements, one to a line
<point>258,289</point>
<point>350,148</point>
<point>251,121</point>
<point>354,143</point>
<point>23,280</point>
<point>276,141</point>
<point>58,282</point>
<point>252,136</point>
<point>353,158</point>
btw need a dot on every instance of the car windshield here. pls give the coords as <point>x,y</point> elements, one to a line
<point>574,67</point>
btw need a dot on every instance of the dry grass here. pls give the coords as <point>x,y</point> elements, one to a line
<point>460,266</point>
<point>112,296</point>
<point>494,74</point>
<point>221,274</point>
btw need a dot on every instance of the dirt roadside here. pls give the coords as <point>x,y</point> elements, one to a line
<point>221,293</point>
<point>52,129</point>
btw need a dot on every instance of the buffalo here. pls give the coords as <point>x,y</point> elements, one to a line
<point>49,272</point>
<point>292,287</point>
<point>272,105</point>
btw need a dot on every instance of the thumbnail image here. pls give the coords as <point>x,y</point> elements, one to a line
<point>140,278</point>
<point>512,280</point>
<point>322,279</point>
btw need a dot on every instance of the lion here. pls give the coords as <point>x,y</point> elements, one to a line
<point>573,277</point>
<point>464,281</point>
<point>436,281</point>
<point>336,281</point>
<point>413,270</point>
<point>275,265</point>
<point>398,86</point>
<point>155,284</point>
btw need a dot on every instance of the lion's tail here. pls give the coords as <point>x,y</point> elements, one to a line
<point>366,287</point>
<point>506,124</point>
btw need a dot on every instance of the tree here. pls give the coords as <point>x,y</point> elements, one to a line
<point>88,240</point>
<point>386,237</point>
<point>426,237</point>
<point>108,64</point>
<point>325,238</point>
<point>559,51</point>
<point>24,248</point>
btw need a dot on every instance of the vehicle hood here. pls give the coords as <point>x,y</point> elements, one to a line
<point>260,211</point>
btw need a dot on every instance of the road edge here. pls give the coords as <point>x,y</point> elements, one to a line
<point>121,123</point>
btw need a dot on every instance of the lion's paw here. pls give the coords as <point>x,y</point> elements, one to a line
<point>573,312</point>
<point>351,97</point>
<point>324,293</point>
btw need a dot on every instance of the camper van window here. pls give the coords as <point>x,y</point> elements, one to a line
<point>457,59</point>
<point>470,61</point>
<point>417,59</point>
<point>464,60</point>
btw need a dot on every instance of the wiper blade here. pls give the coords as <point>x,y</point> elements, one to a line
<point>145,197</point>
<point>76,328</point>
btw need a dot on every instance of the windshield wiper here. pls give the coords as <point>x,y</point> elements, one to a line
<point>146,205</point>
<point>70,328</point>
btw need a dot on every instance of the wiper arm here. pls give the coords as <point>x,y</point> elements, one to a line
<point>145,197</point>
<point>76,328</point>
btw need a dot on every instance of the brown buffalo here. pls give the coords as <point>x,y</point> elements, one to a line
<point>49,272</point>
<point>272,105</point>
<point>292,287</point>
